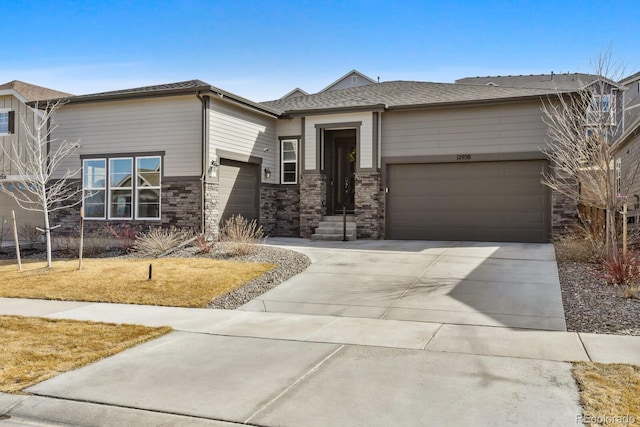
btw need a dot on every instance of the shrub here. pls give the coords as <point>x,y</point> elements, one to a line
<point>30,234</point>
<point>582,243</point>
<point>70,246</point>
<point>240,236</point>
<point>622,272</point>
<point>204,246</point>
<point>157,241</point>
<point>125,235</point>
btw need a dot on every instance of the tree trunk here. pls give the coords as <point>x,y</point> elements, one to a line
<point>47,233</point>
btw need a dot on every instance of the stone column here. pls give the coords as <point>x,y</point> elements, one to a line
<point>313,193</point>
<point>368,212</point>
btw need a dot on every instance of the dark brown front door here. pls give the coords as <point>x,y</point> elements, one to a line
<point>341,167</point>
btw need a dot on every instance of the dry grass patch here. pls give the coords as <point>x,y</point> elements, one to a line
<point>177,282</point>
<point>36,349</point>
<point>609,393</point>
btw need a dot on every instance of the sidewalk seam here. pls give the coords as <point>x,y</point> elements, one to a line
<point>432,336</point>
<point>299,380</point>
<point>584,346</point>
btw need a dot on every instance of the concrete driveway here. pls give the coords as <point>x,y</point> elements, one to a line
<point>470,283</point>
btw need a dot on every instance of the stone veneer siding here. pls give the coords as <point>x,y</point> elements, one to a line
<point>180,208</point>
<point>288,210</point>
<point>313,193</point>
<point>268,207</point>
<point>211,210</point>
<point>564,215</point>
<point>368,210</point>
<point>280,210</point>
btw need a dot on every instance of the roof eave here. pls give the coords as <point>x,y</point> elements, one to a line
<point>333,110</point>
<point>201,90</point>
<point>474,102</point>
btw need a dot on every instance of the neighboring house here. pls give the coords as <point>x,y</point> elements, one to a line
<point>627,148</point>
<point>14,97</point>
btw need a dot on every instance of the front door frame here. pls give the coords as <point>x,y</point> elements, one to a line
<point>340,170</point>
<point>322,146</point>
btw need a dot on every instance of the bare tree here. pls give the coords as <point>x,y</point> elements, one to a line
<point>582,127</point>
<point>39,184</point>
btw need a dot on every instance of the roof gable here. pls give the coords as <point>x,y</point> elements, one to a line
<point>353,78</point>
<point>296,92</point>
<point>30,92</point>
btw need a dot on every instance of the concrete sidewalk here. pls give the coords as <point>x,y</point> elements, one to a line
<point>223,367</point>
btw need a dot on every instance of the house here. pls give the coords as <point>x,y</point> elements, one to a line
<point>405,160</point>
<point>627,149</point>
<point>14,97</point>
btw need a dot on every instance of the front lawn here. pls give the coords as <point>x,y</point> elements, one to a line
<point>36,349</point>
<point>177,282</point>
<point>609,393</point>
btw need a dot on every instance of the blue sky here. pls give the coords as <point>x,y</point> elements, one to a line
<point>263,49</point>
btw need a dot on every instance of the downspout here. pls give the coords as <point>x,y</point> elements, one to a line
<point>205,162</point>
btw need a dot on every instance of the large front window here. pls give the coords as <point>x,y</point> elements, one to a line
<point>122,187</point>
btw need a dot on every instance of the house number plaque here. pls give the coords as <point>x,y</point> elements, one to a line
<point>463,157</point>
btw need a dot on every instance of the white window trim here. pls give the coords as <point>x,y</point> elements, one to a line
<point>283,161</point>
<point>5,110</point>
<point>111,188</point>
<point>104,188</point>
<point>618,175</point>
<point>134,188</point>
<point>137,190</point>
<point>597,101</point>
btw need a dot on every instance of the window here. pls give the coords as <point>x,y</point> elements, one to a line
<point>289,161</point>
<point>94,181</point>
<point>6,121</point>
<point>122,187</point>
<point>602,110</point>
<point>618,176</point>
<point>148,188</point>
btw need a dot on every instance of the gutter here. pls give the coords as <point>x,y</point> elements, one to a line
<point>205,158</point>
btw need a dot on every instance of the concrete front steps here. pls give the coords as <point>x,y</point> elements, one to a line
<point>330,228</point>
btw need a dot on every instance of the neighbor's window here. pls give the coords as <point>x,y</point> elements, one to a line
<point>122,188</point>
<point>6,121</point>
<point>602,110</point>
<point>618,175</point>
<point>289,161</point>
<point>148,187</point>
<point>94,188</point>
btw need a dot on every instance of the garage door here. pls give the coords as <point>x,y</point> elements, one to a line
<point>482,201</point>
<point>8,204</point>
<point>238,189</point>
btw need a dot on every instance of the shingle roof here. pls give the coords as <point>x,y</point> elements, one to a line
<point>630,79</point>
<point>568,81</point>
<point>398,94</point>
<point>33,92</point>
<point>170,89</point>
<point>187,85</point>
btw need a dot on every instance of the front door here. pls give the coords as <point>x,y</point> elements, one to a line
<point>341,168</point>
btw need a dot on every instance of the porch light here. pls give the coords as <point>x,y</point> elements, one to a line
<point>267,173</point>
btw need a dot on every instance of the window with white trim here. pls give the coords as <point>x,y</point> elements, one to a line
<point>602,110</point>
<point>148,187</point>
<point>122,188</point>
<point>94,187</point>
<point>618,176</point>
<point>289,161</point>
<point>7,120</point>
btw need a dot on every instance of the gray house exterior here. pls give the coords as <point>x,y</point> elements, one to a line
<point>405,160</point>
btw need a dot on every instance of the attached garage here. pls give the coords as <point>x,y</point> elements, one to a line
<point>8,204</point>
<point>239,190</point>
<point>502,201</point>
